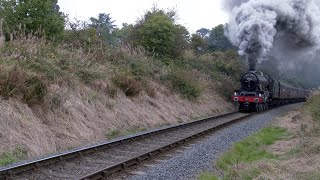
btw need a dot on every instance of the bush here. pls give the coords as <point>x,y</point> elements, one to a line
<point>159,34</point>
<point>35,91</point>
<point>224,69</point>
<point>127,83</point>
<point>16,83</point>
<point>183,81</point>
<point>87,75</point>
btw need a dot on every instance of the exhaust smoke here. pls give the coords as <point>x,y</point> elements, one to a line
<point>287,30</point>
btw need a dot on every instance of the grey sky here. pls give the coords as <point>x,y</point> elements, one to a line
<point>192,14</point>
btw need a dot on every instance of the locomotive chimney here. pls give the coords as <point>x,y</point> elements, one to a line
<point>252,60</point>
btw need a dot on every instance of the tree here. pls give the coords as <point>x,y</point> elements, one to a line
<point>124,35</point>
<point>104,26</point>
<point>218,41</point>
<point>180,40</point>
<point>157,32</point>
<point>198,44</point>
<point>203,32</point>
<point>33,16</point>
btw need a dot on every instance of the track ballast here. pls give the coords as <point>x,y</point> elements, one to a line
<point>100,161</point>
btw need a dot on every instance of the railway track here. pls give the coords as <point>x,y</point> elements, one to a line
<point>99,161</point>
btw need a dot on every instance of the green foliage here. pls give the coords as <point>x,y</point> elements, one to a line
<point>125,35</point>
<point>183,81</point>
<point>16,83</point>
<point>88,75</point>
<point>113,134</point>
<point>203,32</point>
<point>211,41</point>
<point>224,68</point>
<point>81,38</point>
<point>251,149</point>
<point>44,66</point>
<point>313,105</point>
<point>159,35</point>
<point>208,176</point>
<point>13,156</point>
<point>104,27</point>
<point>117,133</point>
<point>32,16</point>
<point>35,91</point>
<point>198,44</point>
<point>127,83</point>
<point>218,41</point>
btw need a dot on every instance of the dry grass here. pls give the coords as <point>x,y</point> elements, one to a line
<point>298,157</point>
<point>59,96</point>
<point>295,157</point>
<point>84,116</point>
<point>2,38</point>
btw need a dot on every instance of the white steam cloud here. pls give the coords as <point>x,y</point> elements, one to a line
<point>279,28</point>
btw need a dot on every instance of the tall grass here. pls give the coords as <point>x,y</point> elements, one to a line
<point>86,59</point>
<point>127,83</point>
<point>224,68</point>
<point>10,157</point>
<point>16,83</point>
<point>185,83</point>
<point>313,105</point>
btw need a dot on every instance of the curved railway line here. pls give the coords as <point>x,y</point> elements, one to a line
<point>99,161</point>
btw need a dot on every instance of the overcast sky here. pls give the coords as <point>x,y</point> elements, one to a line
<point>193,14</point>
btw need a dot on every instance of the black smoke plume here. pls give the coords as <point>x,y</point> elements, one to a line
<point>286,30</point>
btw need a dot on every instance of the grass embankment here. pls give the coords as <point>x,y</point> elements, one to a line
<point>40,76</point>
<point>29,65</point>
<point>288,150</point>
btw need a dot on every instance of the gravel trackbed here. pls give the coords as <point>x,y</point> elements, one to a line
<point>201,156</point>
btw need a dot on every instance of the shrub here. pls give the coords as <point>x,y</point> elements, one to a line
<point>11,82</point>
<point>17,83</point>
<point>159,34</point>
<point>183,81</point>
<point>35,91</point>
<point>87,75</point>
<point>127,83</point>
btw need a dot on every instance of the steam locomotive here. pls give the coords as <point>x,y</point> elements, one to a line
<point>259,91</point>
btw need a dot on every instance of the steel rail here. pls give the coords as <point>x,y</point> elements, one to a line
<point>19,169</point>
<point>105,172</point>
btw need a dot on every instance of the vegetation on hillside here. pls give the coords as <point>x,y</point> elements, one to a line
<point>39,52</point>
<point>313,105</point>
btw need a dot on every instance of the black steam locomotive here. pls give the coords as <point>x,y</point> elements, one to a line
<point>259,91</point>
